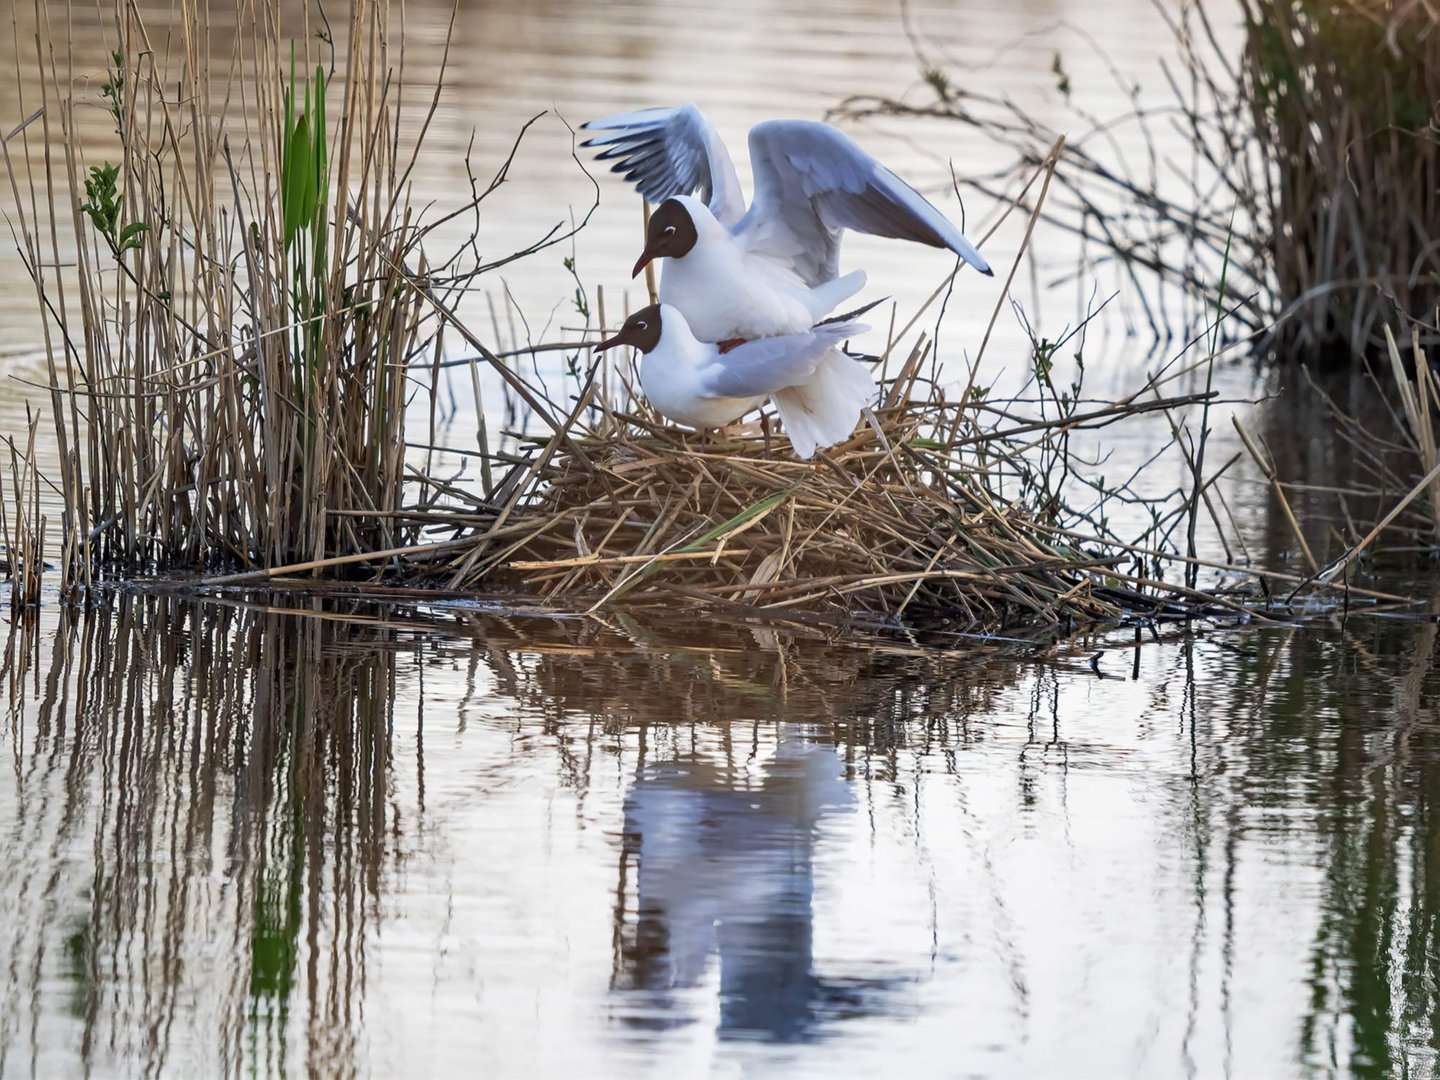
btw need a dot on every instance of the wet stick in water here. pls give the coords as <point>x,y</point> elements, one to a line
<point>22,524</point>
<point>1268,468</point>
<point>1198,472</point>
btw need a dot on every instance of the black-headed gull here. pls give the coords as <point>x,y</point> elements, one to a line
<point>818,390</point>
<point>739,273</point>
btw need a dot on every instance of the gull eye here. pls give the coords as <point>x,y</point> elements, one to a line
<point>642,325</point>
<point>669,230</point>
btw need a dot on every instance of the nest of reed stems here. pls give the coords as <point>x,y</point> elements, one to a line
<point>893,526</point>
<point>939,511</point>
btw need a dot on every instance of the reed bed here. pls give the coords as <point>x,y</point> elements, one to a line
<point>946,510</point>
<point>232,280</point>
<point>1312,180</point>
<point>220,369</point>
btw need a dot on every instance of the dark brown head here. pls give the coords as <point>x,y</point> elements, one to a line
<point>671,234</point>
<point>641,330</point>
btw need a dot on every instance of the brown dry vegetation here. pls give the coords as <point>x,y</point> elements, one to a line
<point>1312,186</point>
<point>932,513</point>
<point>232,305</point>
<point>1345,100</point>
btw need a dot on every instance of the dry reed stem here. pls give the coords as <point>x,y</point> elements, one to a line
<point>1420,401</point>
<point>1333,570</point>
<point>1268,468</point>
<point>22,524</point>
<point>229,346</point>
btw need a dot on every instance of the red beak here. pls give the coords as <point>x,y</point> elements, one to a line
<point>608,343</point>
<point>642,262</point>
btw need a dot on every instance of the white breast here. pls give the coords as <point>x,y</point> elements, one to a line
<point>670,377</point>
<point>725,292</point>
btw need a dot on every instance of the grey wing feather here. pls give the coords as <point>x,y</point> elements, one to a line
<point>770,364</point>
<point>667,152</point>
<point>812,181</point>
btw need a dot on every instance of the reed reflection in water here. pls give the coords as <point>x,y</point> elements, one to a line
<point>197,823</point>
<point>253,840</point>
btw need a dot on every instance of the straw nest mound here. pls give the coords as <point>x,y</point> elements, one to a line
<point>902,525</point>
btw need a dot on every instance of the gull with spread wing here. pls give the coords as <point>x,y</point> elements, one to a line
<point>692,381</point>
<point>738,273</point>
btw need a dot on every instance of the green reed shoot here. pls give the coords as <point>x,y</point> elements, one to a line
<point>304,206</point>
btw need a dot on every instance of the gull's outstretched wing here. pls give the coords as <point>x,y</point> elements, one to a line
<point>770,364</point>
<point>668,152</point>
<point>812,181</point>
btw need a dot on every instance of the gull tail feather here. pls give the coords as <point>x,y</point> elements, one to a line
<point>828,295</point>
<point>823,410</point>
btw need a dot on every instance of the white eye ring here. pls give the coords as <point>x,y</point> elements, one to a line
<point>669,230</point>
<point>642,325</point>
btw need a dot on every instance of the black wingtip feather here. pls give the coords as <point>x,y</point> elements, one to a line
<point>849,315</point>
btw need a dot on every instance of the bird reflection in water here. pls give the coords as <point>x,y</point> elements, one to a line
<point>724,873</point>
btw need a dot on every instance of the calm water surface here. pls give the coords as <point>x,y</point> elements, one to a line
<point>254,838</point>
<point>251,839</point>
